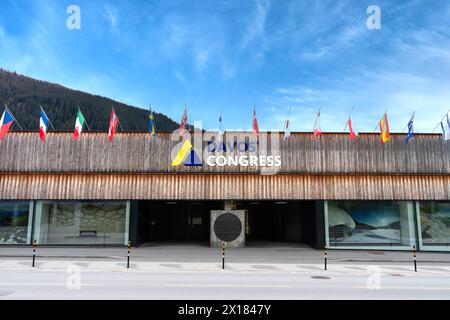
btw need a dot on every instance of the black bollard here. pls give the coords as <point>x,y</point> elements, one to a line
<point>223,254</point>
<point>325,257</point>
<point>128,257</point>
<point>415,260</point>
<point>34,252</point>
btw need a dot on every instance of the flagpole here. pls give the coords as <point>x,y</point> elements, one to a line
<point>42,109</point>
<point>317,117</point>
<point>351,112</point>
<point>440,121</point>
<point>118,120</point>
<point>15,120</point>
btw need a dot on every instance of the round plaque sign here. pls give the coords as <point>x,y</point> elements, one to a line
<point>227,227</point>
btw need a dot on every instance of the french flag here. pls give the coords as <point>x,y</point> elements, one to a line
<point>5,123</point>
<point>43,125</point>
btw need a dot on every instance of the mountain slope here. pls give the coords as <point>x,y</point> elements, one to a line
<point>23,95</point>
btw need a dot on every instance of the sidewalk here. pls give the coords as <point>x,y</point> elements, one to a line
<point>197,253</point>
<point>45,264</point>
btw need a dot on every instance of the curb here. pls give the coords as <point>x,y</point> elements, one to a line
<point>143,259</point>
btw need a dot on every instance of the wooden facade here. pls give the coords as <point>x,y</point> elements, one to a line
<point>135,167</point>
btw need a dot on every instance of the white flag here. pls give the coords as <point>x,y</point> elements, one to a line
<point>287,130</point>
<point>446,129</point>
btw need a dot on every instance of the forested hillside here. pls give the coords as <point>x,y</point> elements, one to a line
<point>23,96</point>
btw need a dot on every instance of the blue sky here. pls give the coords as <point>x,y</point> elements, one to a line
<point>227,56</point>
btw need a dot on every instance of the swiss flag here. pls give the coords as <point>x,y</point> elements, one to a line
<point>113,121</point>
<point>255,124</point>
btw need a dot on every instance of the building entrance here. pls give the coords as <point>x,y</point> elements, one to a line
<point>269,221</point>
<point>175,221</point>
<point>281,221</point>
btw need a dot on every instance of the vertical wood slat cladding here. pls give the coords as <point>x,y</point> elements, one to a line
<point>137,153</point>
<point>212,186</point>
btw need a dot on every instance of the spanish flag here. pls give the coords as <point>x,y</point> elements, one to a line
<point>384,129</point>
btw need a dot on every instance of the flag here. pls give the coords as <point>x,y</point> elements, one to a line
<point>410,134</point>
<point>384,129</point>
<point>79,122</point>
<point>151,126</point>
<point>353,134</point>
<point>448,126</point>
<point>446,130</point>
<point>255,124</point>
<point>287,130</point>
<point>183,122</point>
<point>220,133</point>
<point>317,131</point>
<point>43,125</point>
<point>5,123</point>
<point>113,121</point>
<point>444,133</point>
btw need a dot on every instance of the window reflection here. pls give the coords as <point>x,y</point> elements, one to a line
<point>14,222</point>
<point>435,223</point>
<point>80,223</point>
<point>370,223</point>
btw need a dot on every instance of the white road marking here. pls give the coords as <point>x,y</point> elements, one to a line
<point>406,288</point>
<point>43,284</point>
<point>225,286</point>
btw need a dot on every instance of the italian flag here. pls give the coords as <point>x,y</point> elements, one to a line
<point>79,122</point>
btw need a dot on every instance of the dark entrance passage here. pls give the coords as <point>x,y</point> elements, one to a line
<point>283,221</point>
<point>175,221</point>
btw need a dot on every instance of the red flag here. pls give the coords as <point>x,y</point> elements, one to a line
<point>317,131</point>
<point>183,121</point>
<point>350,127</point>
<point>255,124</point>
<point>113,121</point>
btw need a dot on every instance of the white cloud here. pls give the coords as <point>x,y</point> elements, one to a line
<point>111,14</point>
<point>180,77</point>
<point>257,22</point>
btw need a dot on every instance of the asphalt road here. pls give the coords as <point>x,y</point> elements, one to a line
<point>130,284</point>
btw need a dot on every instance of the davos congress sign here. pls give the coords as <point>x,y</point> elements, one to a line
<point>236,150</point>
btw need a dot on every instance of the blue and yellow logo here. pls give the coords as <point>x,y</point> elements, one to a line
<point>187,156</point>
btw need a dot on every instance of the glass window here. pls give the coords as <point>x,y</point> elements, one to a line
<point>434,221</point>
<point>377,224</point>
<point>92,223</point>
<point>15,222</point>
